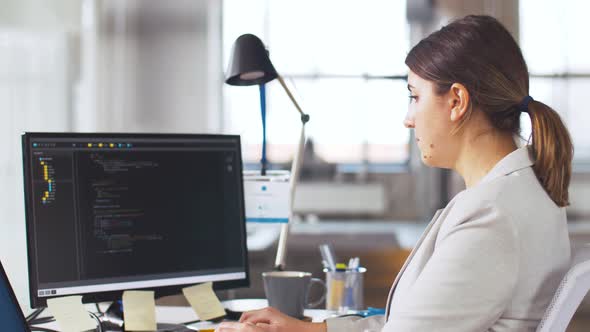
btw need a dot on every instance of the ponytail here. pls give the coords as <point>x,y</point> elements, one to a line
<point>552,151</point>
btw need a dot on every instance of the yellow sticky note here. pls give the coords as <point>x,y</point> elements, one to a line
<point>204,301</point>
<point>139,310</point>
<point>70,314</point>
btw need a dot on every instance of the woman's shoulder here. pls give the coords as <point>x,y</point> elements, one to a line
<point>513,190</point>
<point>514,198</point>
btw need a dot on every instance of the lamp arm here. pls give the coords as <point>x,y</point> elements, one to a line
<point>304,117</point>
<point>295,168</point>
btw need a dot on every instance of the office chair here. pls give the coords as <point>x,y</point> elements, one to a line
<point>570,293</point>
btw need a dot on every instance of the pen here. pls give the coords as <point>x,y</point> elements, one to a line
<point>350,263</point>
<point>355,263</point>
<point>328,255</point>
<point>351,280</point>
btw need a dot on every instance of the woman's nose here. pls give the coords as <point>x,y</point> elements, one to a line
<point>409,120</point>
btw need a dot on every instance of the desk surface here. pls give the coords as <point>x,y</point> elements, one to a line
<point>176,314</point>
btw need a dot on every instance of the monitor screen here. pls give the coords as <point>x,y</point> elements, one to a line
<point>112,212</point>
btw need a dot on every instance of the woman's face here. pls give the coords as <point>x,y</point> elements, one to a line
<point>430,117</point>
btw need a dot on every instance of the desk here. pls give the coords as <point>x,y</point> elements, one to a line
<point>176,314</point>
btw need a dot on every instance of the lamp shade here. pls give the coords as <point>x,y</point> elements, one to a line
<point>249,63</point>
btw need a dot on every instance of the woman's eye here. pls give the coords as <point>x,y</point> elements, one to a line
<point>415,98</point>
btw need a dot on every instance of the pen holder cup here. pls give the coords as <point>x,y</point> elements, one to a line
<point>345,290</point>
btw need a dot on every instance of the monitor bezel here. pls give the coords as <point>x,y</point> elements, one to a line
<point>95,297</point>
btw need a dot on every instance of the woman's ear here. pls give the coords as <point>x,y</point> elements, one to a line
<point>459,101</point>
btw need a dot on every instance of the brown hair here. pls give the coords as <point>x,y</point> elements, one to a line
<point>478,52</point>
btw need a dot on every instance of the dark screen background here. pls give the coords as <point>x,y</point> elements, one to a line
<point>159,212</point>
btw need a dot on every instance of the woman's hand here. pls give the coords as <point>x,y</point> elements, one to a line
<point>272,320</point>
<point>238,327</point>
<point>269,320</point>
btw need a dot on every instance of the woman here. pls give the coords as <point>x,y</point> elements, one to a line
<point>492,259</point>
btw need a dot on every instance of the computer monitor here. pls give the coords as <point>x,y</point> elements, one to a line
<point>112,212</point>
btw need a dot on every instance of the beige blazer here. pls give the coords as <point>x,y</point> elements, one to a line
<point>491,260</point>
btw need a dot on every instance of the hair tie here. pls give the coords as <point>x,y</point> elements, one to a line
<point>524,104</point>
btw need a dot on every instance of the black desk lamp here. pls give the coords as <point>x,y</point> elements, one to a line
<point>250,65</point>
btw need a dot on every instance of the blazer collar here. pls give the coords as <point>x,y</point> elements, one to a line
<point>514,161</point>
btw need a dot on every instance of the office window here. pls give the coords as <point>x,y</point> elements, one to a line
<point>553,39</point>
<point>336,57</point>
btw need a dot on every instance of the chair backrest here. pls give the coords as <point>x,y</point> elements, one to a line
<point>570,293</point>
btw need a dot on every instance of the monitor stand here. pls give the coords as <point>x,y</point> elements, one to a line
<point>112,320</point>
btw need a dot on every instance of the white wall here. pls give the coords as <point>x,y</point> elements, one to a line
<point>151,66</point>
<point>34,96</point>
<point>99,65</point>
